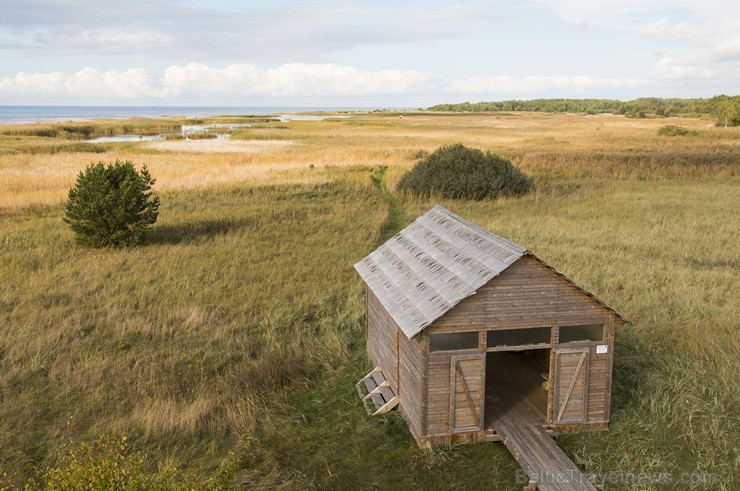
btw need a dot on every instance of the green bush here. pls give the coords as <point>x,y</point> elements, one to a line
<point>109,463</point>
<point>456,171</point>
<point>111,205</point>
<point>672,130</point>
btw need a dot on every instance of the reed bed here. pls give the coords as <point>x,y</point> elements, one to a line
<point>545,145</point>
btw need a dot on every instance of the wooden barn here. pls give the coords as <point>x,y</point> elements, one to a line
<point>473,335</point>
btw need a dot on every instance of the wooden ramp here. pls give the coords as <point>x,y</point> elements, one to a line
<point>540,457</point>
<point>516,403</point>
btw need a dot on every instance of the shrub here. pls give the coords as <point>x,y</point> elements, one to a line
<point>111,205</point>
<point>456,171</point>
<point>109,463</point>
<point>202,136</point>
<point>672,130</point>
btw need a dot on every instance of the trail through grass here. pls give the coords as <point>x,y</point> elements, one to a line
<point>397,218</point>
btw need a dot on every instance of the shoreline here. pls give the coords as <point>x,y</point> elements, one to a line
<point>77,114</point>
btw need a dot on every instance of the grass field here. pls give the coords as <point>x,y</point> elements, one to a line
<point>235,336</point>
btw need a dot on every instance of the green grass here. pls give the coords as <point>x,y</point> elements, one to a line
<point>397,218</point>
<point>176,344</point>
<point>50,147</point>
<point>235,337</point>
<point>661,253</point>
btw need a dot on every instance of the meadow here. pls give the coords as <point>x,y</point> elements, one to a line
<point>233,339</point>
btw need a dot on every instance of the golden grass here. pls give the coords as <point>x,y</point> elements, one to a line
<point>240,327</point>
<point>662,253</point>
<point>217,146</point>
<point>185,339</point>
<point>554,145</point>
<point>27,180</point>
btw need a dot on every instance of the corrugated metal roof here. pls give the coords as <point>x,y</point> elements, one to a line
<point>430,266</point>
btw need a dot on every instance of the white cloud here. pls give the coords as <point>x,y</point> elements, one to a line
<point>87,83</point>
<point>710,57</point>
<point>196,80</point>
<point>292,79</point>
<point>237,41</point>
<point>126,39</point>
<point>629,14</point>
<point>662,30</point>
<point>251,31</point>
<point>542,85</point>
<point>726,51</point>
<point>672,69</point>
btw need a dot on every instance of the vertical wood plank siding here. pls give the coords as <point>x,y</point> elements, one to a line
<point>570,387</point>
<point>382,340</point>
<point>374,316</point>
<point>411,382</point>
<point>526,294</point>
<point>438,394</point>
<point>401,359</point>
<point>597,385</point>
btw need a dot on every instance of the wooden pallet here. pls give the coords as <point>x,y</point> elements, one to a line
<point>376,393</point>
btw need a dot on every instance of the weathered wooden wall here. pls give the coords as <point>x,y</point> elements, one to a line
<point>401,360</point>
<point>438,394</point>
<point>411,360</point>
<point>527,294</point>
<point>382,340</point>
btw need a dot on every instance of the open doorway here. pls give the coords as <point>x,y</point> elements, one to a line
<point>517,382</point>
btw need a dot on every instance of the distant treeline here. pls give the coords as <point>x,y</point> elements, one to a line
<point>637,108</point>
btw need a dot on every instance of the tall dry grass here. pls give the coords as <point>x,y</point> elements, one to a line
<point>545,145</point>
<point>664,255</point>
<point>240,328</point>
<point>181,343</point>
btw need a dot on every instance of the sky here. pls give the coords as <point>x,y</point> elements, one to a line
<point>371,53</point>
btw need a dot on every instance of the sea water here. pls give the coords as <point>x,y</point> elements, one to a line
<point>34,114</point>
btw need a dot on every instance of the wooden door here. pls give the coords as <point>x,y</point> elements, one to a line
<point>465,394</point>
<point>571,385</point>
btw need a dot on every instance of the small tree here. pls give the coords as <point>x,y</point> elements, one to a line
<point>111,205</point>
<point>727,114</point>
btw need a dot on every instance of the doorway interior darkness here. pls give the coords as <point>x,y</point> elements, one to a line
<point>517,381</point>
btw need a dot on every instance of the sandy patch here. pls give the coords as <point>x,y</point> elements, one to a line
<point>219,146</point>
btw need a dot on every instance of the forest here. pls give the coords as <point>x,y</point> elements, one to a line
<point>725,108</point>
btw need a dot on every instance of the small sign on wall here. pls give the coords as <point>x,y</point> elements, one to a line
<point>602,349</point>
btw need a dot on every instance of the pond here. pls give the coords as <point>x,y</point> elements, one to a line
<point>195,129</point>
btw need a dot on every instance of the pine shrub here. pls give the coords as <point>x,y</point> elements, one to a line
<point>458,172</point>
<point>111,205</point>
